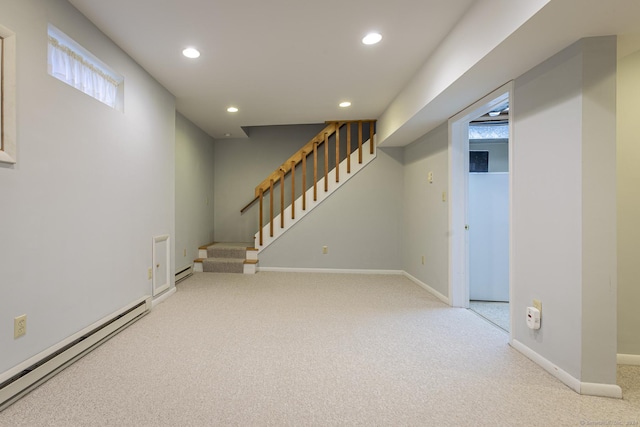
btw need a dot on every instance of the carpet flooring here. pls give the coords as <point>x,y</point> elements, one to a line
<point>293,349</point>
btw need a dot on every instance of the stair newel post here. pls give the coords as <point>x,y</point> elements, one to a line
<point>293,189</point>
<point>326,162</point>
<point>349,147</point>
<point>315,171</point>
<point>281,198</point>
<point>338,152</point>
<point>270,208</point>
<point>261,220</point>
<point>360,142</point>
<point>371,143</point>
<point>304,181</point>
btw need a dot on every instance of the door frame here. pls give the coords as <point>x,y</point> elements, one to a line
<point>459,193</point>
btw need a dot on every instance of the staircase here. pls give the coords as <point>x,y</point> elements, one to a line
<point>300,187</point>
<point>294,189</point>
<point>227,258</point>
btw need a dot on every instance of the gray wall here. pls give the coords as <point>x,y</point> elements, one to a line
<point>563,215</point>
<point>194,191</point>
<point>240,165</point>
<point>91,188</point>
<point>628,203</point>
<point>361,224</point>
<point>425,225</point>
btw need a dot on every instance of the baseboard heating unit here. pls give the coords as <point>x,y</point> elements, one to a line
<point>46,366</point>
<point>184,273</point>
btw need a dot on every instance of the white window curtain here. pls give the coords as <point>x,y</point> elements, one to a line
<point>67,65</point>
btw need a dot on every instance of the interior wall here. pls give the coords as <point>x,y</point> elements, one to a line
<point>628,128</point>
<point>194,191</point>
<point>599,261</point>
<point>425,225</point>
<point>360,224</point>
<point>556,241</point>
<point>91,188</point>
<point>240,165</point>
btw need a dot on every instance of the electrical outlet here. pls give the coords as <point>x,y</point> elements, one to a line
<point>185,252</point>
<point>19,326</point>
<point>537,304</point>
<point>150,273</point>
<point>325,250</point>
<point>422,259</point>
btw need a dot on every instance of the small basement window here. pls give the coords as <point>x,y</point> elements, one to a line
<point>71,63</point>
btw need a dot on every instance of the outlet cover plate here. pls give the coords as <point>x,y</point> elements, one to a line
<point>19,326</point>
<point>537,304</point>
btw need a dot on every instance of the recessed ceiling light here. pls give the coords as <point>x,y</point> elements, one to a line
<point>232,109</point>
<point>345,104</point>
<point>191,52</point>
<point>227,134</point>
<point>372,38</point>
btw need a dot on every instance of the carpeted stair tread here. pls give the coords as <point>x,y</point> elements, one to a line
<point>221,250</point>
<point>223,265</point>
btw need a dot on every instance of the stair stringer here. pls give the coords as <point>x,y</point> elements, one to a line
<point>311,204</point>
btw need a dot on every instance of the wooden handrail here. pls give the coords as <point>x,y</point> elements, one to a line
<point>330,129</point>
<point>333,127</point>
<point>301,156</point>
<point>243,210</point>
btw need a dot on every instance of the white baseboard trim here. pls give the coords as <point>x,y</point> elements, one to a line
<point>628,359</point>
<point>603,390</point>
<point>328,270</point>
<point>428,288</point>
<point>163,297</point>
<point>590,389</point>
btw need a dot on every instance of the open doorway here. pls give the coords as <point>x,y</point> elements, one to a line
<point>488,215</point>
<point>479,195</point>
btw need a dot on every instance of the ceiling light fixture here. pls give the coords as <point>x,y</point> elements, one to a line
<point>232,109</point>
<point>191,52</point>
<point>494,113</point>
<point>372,38</point>
<point>344,104</point>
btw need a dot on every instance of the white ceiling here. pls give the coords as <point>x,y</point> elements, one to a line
<point>293,61</point>
<point>278,61</point>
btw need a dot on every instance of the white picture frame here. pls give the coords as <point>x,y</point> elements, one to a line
<point>8,95</point>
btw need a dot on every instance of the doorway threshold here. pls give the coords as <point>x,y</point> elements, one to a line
<point>495,312</point>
